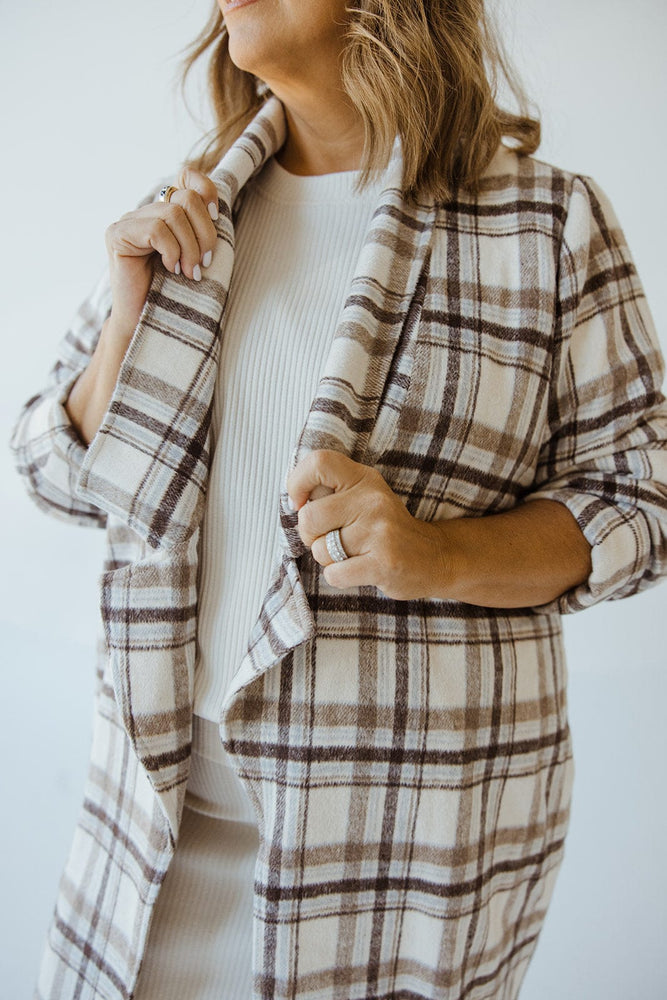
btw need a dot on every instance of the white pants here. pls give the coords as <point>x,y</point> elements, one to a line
<point>200,941</point>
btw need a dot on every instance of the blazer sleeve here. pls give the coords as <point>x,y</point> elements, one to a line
<point>605,456</point>
<point>48,452</point>
<point>47,449</point>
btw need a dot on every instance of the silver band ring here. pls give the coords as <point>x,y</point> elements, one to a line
<point>166,192</point>
<point>335,546</point>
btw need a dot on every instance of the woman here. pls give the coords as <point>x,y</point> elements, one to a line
<point>399,721</point>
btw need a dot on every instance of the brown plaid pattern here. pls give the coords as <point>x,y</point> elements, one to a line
<point>410,761</point>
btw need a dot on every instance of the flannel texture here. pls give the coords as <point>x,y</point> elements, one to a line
<point>410,762</point>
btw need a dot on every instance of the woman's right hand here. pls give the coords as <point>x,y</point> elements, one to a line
<point>181,232</point>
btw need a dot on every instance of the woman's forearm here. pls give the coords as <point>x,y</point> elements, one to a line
<point>89,398</point>
<point>521,558</point>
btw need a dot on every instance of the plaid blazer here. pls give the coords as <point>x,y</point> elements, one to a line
<point>410,762</point>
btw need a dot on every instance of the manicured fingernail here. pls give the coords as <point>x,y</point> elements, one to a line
<point>196,272</point>
<point>213,210</point>
<point>290,503</point>
<point>177,269</point>
<point>207,258</point>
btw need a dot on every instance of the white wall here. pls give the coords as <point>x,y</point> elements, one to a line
<point>90,123</point>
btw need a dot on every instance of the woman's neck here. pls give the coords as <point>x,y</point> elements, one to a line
<point>325,134</point>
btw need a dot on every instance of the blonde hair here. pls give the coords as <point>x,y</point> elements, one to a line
<point>427,70</point>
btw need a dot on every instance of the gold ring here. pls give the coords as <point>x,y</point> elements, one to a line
<point>166,193</point>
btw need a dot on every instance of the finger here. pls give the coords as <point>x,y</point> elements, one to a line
<point>139,235</point>
<point>176,218</point>
<point>203,185</point>
<point>335,510</point>
<point>357,571</point>
<point>164,228</point>
<point>320,491</point>
<point>320,550</point>
<point>200,253</point>
<point>322,468</point>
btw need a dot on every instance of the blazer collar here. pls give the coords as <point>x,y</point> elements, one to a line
<point>148,463</point>
<point>377,315</point>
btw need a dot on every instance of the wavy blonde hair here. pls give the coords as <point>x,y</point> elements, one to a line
<point>427,70</point>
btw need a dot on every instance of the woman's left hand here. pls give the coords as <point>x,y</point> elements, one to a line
<point>386,546</point>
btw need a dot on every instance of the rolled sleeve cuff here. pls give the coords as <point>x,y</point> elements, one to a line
<point>619,539</point>
<point>50,455</point>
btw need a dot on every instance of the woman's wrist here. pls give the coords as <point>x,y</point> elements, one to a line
<point>524,557</point>
<point>448,567</point>
<point>90,395</point>
<point>117,333</point>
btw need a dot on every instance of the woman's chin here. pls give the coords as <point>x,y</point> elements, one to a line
<point>246,56</point>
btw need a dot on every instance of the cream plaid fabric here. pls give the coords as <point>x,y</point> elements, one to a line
<point>410,762</point>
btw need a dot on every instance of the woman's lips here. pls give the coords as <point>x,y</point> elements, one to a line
<point>233,4</point>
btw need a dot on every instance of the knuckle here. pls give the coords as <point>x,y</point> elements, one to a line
<point>189,199</point>
<point>185,176</point>
<point>375,506</point>
<point>385,542</point>
<point>321,459</point>
<point>189,173</point>
<point>392,558</point>
<point>114,233</point>
<point>304,521</point>
<point>319,552</point>
<point>117,224</point>
<point>173,213</point>
<point>193,180</point>
<point>374,478</point>
<point>169,253</point>
<point>158,229</point>
<point>391,535</point>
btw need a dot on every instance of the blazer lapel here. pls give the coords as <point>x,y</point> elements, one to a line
<point>148,463</point>
<point>343,415</point>
<point>148,468</point>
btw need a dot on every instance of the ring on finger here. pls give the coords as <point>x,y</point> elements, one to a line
<point>166,192</point>
<point>335,546</point>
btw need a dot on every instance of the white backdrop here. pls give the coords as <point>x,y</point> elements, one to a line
<point>91,120</point>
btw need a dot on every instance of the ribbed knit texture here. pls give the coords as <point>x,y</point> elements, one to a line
<point>213,787</point>
<point>298,242</point>
<point>200,942</point>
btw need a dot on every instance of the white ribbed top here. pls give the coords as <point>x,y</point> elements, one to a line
<point>298,240</point>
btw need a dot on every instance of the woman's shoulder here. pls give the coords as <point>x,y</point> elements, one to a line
<point>510,169</point>
<point>525,193</point>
